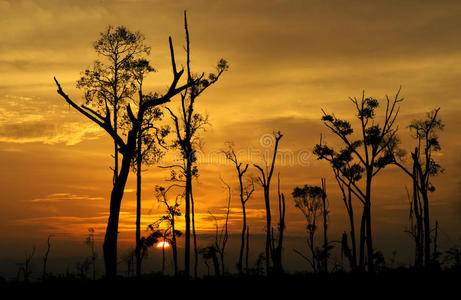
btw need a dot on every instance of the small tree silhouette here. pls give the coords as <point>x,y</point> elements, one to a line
<point>172,211</point>
<point>423,168</point>
<point>308,200</point>
<point>93,255</point>
<point>221,237</point>
<point>265,181</point>
<point>246,190</point>
<point>45,257</point>
<point>26,267</point>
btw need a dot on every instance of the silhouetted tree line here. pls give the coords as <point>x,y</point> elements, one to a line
<point>116,101</point>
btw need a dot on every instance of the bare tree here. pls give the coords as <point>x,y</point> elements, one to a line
<point>126,147</point>
<point>187,124</point>
<point>277,242</point>
<point>93,255</point>
<point>372,150</point>
<point>221,237</point>
<point>45,256</point>
<point>265,181</point>
<point>26,267</point>
<point>246,190</point>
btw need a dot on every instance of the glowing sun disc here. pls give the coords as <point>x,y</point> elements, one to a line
<point>163,244</point>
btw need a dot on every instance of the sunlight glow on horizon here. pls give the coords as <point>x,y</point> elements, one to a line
<point>163,244</point>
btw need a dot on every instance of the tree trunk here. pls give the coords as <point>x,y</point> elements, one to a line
<point>352,233</point>
<point>362,241</point>
<point>175,253</point>
<point>187,219</point>
<point>427,227</point>
<point>325,228</point>
<point>110,239</point>
<point>247,254</point>
<point>268,229</point>
<point>138,206</point>
<point>367,208</point>
<point>244,226</point>
<point>242,243</point>
<point>194,235</point>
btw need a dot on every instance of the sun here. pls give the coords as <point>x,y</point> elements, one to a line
<point>163,244</point>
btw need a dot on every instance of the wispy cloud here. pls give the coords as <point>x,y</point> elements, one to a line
<point>23,120</point>
<point>62,197</point>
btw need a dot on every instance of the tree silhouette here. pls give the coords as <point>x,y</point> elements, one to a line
<point>26,267</point>
<point>277,242</point>
<point>308,200</point>
<point>89,241</point>
<point>245,191</point>
<point>187,124</point>
<point>126,147</point>
<point>347,174</point>
<point>372,151</point>
<point>149,138</point>
<point>172,211</point>
<point>265,181</point>
<point>45,256</point>
<point>218,248</point>
<point>423,168</point>
<point>109,84</point>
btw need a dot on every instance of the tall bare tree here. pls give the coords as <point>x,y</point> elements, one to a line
<point>265,180</point>
<point>126,147</point>
<point>187,124</point>
<point>245,192</point>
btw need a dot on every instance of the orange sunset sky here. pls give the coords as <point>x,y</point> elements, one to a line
<point>288,59</point>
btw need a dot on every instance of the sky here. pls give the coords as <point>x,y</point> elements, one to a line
<point>288,60</point>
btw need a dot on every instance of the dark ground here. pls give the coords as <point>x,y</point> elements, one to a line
<point>395,283</point>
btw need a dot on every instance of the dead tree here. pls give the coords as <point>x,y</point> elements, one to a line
<point>245,191</point>
<point>89,241</point>
<point>277,242</point>
<point>45,256</point>
<point>26,267</point>
<point>221,243</point>
<point>187,124</point>
<point>218,248</point>
<point>265,181</point>
<point>127,148</point>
